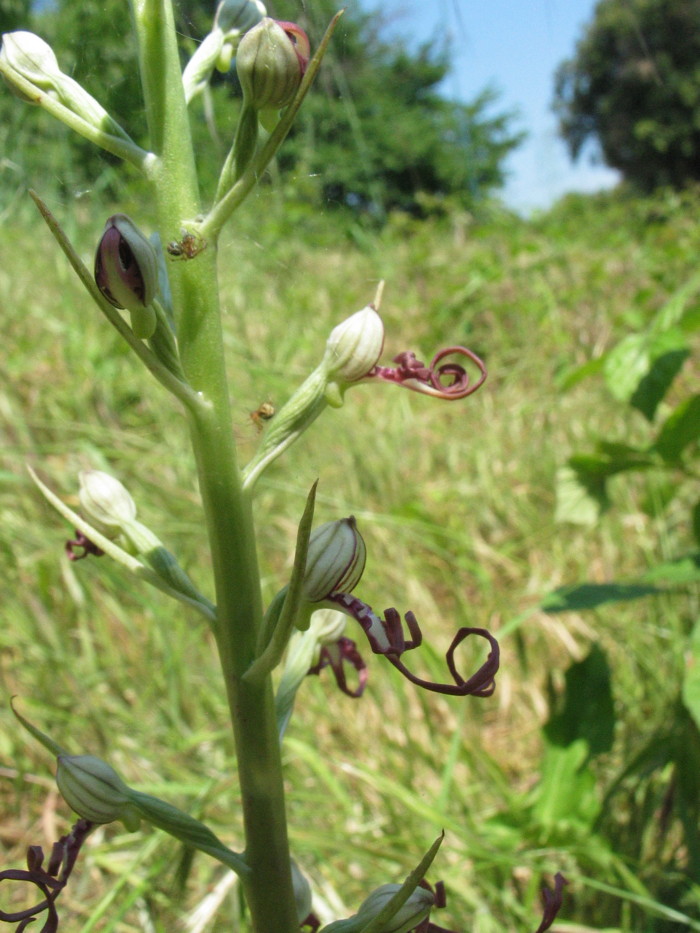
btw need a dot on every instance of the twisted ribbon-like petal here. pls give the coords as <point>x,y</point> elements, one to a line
<point>386,637</point>
<point>450,381</point>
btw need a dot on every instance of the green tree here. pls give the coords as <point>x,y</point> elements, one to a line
<point>377,134</point>
<point>633,87</point>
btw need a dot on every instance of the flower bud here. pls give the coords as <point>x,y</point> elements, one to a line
<point>407,917</point>
<point>354,346</point>
<point>30,57</point>
<point>126,272</point>
<point>234,17</point>
<point>335,560</point>
<point>271,62</point>
<point>94,790</point>
<point>105,503</point>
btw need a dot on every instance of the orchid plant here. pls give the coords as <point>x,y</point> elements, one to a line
<point>164,303</point>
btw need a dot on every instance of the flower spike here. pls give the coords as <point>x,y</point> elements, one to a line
<point>413,374</point>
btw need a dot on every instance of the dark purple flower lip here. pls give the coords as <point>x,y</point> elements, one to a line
<point>449,381</point>
<point>334,656</point>
<point>386,637</point>
<point>82,541</point>
<point>50,880</point>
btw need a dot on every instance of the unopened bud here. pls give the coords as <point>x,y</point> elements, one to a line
<point>238,16</point>
<point>354,346</point>
<point>271,62</point>
<point>94,790</point>
<point>335,560</point>
<point>407,917</point>
<point>27,55</point>
<point>105,503</point>
<point>126,272</point>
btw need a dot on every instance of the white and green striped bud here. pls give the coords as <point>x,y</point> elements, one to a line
<point>352,351</point>
<point>28,56</point>
<point>105,502</point>
<point>25,57</point>
<point>270,63</point>
<point>95,791</point>
<point>126,272</point>
<point>335,560</point>
<point>407,917</point>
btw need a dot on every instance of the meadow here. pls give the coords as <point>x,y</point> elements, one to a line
<point>457,503</point>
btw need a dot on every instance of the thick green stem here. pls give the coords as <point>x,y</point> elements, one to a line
<point>226,507</point>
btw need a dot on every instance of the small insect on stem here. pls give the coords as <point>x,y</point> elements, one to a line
<point>188,247</point>
<point>262,414</point>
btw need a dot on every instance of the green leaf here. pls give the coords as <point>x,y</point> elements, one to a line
<point>691,681</point>
<point>571,377</point>
<point>653,386</point>
<point>585,709</point>
<point>678,572</point>
<point>696,521</point>
<point>626,364</point>
<point>581,725</point>
<point>567,791</point>
<point>681,428</point>
<point>591,595</point>
<point>581,497</point>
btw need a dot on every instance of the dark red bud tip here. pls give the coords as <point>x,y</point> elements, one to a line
<point>300,41</point>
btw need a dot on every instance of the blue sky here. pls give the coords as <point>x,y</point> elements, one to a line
<point>515,47</point>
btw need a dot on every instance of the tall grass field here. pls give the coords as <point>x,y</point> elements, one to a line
<point>458,504</point>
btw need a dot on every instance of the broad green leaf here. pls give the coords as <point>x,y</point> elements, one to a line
<point>696,521</point>
<point>585,709</point>
<point>567,793</point>
<point>681,428</point>
<point>677,572</point>
<point>582,596</point>
<point>654,385</point>
<point>581,491</point>
<point>626,364</point>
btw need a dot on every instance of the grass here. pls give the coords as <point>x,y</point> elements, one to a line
<point>456,503</point>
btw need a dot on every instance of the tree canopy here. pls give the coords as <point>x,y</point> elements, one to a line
<point>633,87</point>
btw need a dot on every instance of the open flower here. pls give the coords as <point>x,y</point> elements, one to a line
<point>334,567</point>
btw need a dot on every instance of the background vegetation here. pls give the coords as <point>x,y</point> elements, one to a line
<point>458,506</point>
